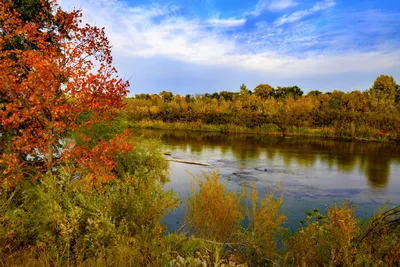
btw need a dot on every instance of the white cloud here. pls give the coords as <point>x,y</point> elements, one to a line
<point>227,23</point>
<point>272,5</point>
<point>154,32</point>
<point>279,5</point>
<point>298,15</point>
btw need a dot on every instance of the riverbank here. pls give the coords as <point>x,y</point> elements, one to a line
<point>360,135</point>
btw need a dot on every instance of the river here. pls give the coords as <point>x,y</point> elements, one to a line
<point>313,172</point>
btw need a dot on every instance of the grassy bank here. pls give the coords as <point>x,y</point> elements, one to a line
<point>361,135</point>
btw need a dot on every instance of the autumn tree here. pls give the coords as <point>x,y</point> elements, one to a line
<point>143,96</point>
<point>228,96</point>
<point>264,91</point>
<point>28,10</point>
<point>167,96</point>
<point>383,92</point>
<point>55,76</point>
<point>244,90</point>
<point>289,91</point>
<point>314,94</point>
<point>188,98</point>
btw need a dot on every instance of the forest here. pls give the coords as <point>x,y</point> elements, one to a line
<point>369,115</point>
<point>78,189</point>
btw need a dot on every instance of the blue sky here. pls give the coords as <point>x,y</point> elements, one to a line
<point>199,46</point>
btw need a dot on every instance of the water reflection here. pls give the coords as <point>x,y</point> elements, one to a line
<point>371,160</point>
<point>378,171</point>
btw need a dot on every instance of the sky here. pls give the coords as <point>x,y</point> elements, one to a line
<point>205,46</point>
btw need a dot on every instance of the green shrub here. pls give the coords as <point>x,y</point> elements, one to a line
<point>56,220</point>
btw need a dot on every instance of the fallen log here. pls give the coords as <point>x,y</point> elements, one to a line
<point>167,153</point>
<point>189,162</point>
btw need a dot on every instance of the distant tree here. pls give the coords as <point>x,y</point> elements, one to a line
<point>244,91</point>
<point>228,96</point>
<point>384,91</point>
<point>188,98</point>
<point>167,96</point>
<point>179,98</point>
<point>143,96</point>
<point>336,100</point>
<point>264,91</point>
<point>398,95</point>
<point>206,95</point>
<point>290,91</point>
<point>155,97</point>
<point>215,96</point>
<point>314,94</point>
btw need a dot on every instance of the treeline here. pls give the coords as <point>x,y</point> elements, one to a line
<point>373,114</point>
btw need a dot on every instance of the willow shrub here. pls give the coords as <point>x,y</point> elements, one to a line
<point>214,212</point>
<point>379,242</point>
<point>339,239</point>
<point>265,225</point>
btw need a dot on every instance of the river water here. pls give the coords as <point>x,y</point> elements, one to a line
<point>313,172</point>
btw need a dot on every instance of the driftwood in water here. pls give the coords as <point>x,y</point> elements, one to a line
<point>167,153</point>
<point>189,162</point>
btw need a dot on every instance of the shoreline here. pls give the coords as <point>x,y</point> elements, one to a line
<point>319,133</point>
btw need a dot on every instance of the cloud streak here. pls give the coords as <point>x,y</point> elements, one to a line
<point>298,15</point>
<point>271,5</point>
<point>226,23</point>
<point>279,5</point>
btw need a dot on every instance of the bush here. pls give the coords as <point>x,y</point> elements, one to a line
<point>212,211</point>
<point>56,221</point>
<point>342,240</point>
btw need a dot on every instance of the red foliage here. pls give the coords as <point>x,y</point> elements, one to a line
<point>97,163</point>
<point>51,74</point>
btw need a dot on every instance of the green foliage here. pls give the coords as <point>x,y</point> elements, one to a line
<point>66,223</point>
<point>29,9</point>
<point>291,91</point>
<point>398,95</point>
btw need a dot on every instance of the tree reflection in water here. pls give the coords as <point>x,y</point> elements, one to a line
<point>372,159</point>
